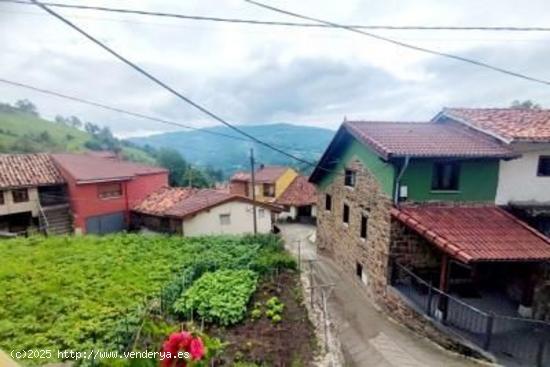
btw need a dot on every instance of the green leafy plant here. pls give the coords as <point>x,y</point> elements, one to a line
<point>220,297</point>
<point>274,309</point>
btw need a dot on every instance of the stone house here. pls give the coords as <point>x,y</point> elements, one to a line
<point>409,210</point>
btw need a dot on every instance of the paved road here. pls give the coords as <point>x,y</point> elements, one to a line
<point>368,338</point>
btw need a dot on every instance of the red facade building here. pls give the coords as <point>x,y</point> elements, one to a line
<point>102,190</point>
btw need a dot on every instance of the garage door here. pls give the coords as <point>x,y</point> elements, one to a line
<point>107,223</point>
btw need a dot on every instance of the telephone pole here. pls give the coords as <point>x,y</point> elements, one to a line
<point>253,177</point>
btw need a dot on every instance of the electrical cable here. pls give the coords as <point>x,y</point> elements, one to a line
<point>166,86</point>
<point>403,44</point>
<point>286,24</point>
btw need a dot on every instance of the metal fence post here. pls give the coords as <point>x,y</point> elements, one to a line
<point>488,331</point>
<point>540,353</point>
<point>430,298</point>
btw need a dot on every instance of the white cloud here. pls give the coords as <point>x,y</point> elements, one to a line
<point>255,74</point>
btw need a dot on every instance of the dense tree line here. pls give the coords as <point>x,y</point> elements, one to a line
<point>182,173</point>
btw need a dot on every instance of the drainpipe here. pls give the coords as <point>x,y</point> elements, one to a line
<point>398,180</point>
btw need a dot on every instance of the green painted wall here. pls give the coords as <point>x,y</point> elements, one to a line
<point>384,171</point>
<point>478,181</point>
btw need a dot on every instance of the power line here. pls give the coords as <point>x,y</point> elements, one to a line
<point>286,24</point>
<point>167,87</point>
<point>119,110</point>
<point>403,44</point>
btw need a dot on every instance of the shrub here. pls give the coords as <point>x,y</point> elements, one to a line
<point>270,260</point>
<point>220,297</point>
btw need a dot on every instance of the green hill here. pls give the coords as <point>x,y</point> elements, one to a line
<point>24,132</point>
<point>230,155</point>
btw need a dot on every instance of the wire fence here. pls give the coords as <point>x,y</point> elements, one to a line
<point>526,341</point>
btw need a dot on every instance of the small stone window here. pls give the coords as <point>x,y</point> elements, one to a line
<point>2,198</point>
<point>359,270</point>
<point>225,219</point>
<point>445,176</point>
<point>350,178</point>
<point>345,214</point>
<point>328,202</point>
<point>364,226</point>
<point>544,166</point>
<point>20,195</point>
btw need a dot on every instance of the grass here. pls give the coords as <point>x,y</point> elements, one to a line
<point>20,133</point>
<point>63,293</point>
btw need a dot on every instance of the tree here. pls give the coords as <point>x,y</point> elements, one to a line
<point>91,128</point>
<point>75,122</point>
<point>172,160</point>
<point>526,105</point>
<point>24,105</point>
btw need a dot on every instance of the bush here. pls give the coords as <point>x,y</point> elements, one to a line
<point>270,260</point>
<point>220,297</point>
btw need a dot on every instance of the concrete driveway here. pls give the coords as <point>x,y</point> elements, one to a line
<point>368,337</point>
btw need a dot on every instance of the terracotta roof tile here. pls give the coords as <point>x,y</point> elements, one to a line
<point>18,170</point>
<point>162,200</point>
<point>428,139</point>
<point>183,202</point>
<point>300,192</point>
<point>87,168</point>
<point>510,124</point>
<point>475,233</point>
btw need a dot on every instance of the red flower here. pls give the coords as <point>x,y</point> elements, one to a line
<point>196,348</point>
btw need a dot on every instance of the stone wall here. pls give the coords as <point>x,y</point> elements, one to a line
<point>412,250</point>
<point>343,241</point>
<point>384,238</point>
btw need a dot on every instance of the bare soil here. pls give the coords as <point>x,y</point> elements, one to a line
<point>290,342</point>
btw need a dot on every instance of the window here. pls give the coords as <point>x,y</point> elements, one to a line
<point>364,226</point>
<point>445,176</point>
<point>328,202</point>
<point>544,166</point>
<point>261,213</point>
<point>359,270</point>
<point>225,219</point>
<point>345,215</point>
<point>269,190</point>
<point>350,177</point>
<point>20,195</point>
<point>1,197</point>
<point>111,190</point>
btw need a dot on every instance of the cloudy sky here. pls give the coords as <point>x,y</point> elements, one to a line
<point>258,74</point>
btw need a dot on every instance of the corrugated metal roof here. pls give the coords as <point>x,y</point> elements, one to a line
<point>87,168</point>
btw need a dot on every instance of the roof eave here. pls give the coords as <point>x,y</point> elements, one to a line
<point>445,113</point>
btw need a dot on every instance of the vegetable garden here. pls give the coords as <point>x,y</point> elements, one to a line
<point>127,292</point>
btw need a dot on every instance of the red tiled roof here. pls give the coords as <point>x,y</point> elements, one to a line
<point>426,139</point>
<point>267,174</point>
<point>162,200</point>
<point>18,170</point>
<point>86,168</point>
<point>183,202</point>
<point>475,233</point>
<point>510,124</point>
<point>299,192</point>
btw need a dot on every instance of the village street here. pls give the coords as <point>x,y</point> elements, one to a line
<point>367,337</point>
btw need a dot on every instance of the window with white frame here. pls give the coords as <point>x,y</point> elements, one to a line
<point>261,213</point>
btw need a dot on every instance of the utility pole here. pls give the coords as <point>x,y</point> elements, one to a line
<point>253,177</point>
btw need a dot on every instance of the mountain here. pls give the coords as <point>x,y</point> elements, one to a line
<point>230,155</point>
<point>24,132</point>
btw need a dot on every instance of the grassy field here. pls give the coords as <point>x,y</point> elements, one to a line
<point>89,292</point>
<point>21,132</point>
